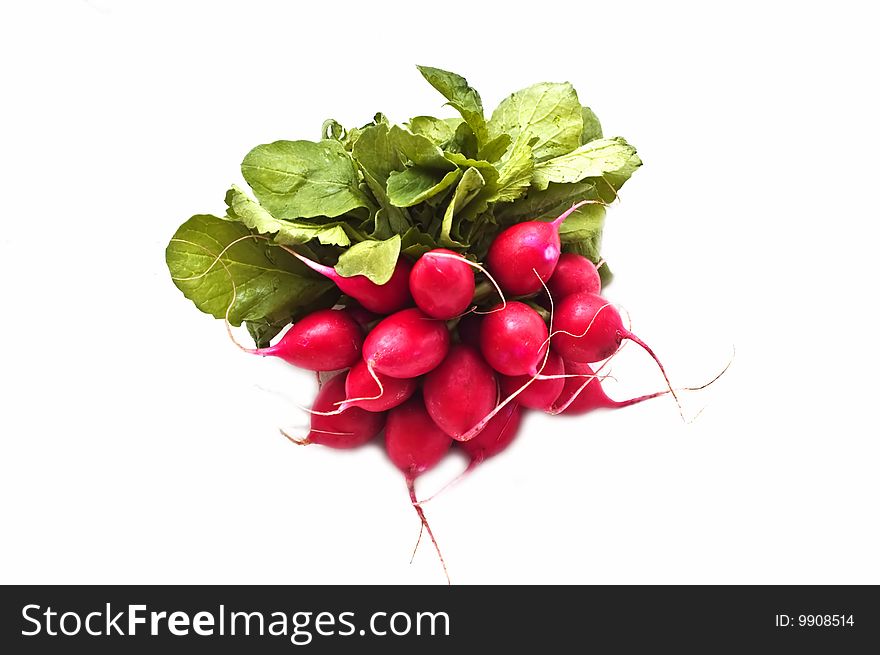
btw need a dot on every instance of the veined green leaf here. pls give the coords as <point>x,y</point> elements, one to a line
<point>470,185</point>
<point>461,96</point>
<point>417,184</point>
<point>377,157</point>
<point>550,112</point>
<point>435,129</point>
<point>605,273</point>
<point>549,203</point>
<point>373,259</point>
<point>418,149</point>
<point>376,154</point>
<point>250,213</point>
<point>584,224</point>
<point>270,284</point>
<point>592,126</point>
<point>515,172</point>
<point>389,221</point>
<point>581,233</point>
<point>303,179</point>
<point>595,159</point>
<point>478,204</point>
<point>415,243</point>
<point>619,177</point>
<point>464,141</point>
<point>487,169</point>
<point>495,149</point>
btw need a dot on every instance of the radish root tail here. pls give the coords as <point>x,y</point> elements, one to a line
<point>294,440</point>
<point>410,485</point>
<point>348,402</point>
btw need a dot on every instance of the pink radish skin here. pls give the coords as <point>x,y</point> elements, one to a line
<point>442,286</point>
<point>495,437</point>
<point>326,340</point>
<point>413,441</point>
<point>513,339</point>
<point>353,427</point>
<point>540,394</point>
<point>578,397</point>
<point>573,274</point>
<point>415,444</point>
<point>461,391</point>
<point>406,344</point>
<point>593,317</point>
<point>594,332</point>
<point>469,329</point>
<point>379,298</point>
<point>360,385</point>
<point>519,249</point>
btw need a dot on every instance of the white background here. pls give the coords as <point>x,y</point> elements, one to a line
<point>139,446</point>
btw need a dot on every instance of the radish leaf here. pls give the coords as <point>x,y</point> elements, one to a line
<point>550,112</point>
<point>373,259</point>
<point>270,284</point>
<point>461,96</point>
<point>303,179</point>
<point>251,214</point>
<point>595,159</point>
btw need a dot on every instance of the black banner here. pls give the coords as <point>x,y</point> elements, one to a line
<point>260,619</point>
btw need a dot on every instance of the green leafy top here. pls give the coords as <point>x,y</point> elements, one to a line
<point>359,198</point>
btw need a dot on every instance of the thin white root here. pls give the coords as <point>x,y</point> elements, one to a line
<point>474,431</point>
<point>454,481</point>
<point>410,483</point>
<point>584,333</point>
<point>348,401</point>
<point>418,541</point>
<point>315,412</point>
<point>294,440</point>
<point>559,410</point>
<point>482,270</point>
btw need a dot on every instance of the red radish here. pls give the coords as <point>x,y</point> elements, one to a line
<point>587,329</point>
<point>573,274</point>
<point>495,437</point>
<point>351,428</point>
<point>325,340</point>
<point>415,444</point>
<point>540,394</point>
<point>585,394</point>
<point>380,298</point>
<point>406,344</point>
<point>513,339</point>
<point>469,329</point>
<point>362,390</point>
<point>461,391</point>
<point>442,283</point>
<point>524,249</point>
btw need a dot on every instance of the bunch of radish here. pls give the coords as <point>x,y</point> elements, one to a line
<point>421,359</point>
